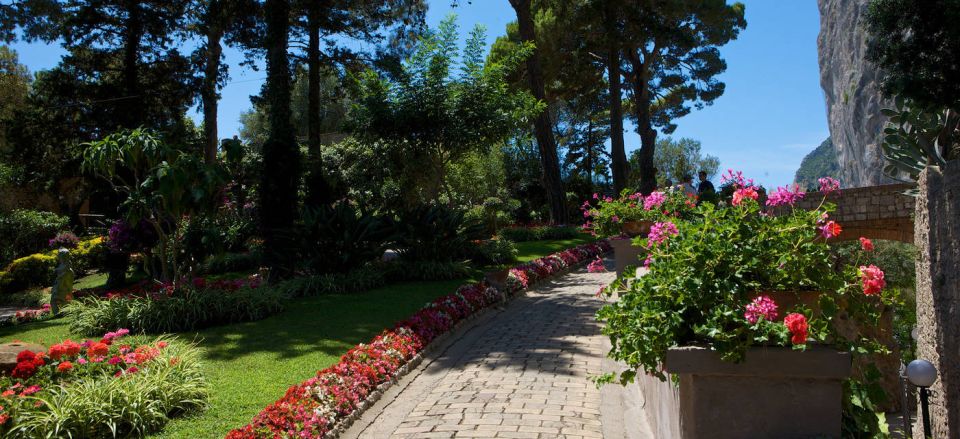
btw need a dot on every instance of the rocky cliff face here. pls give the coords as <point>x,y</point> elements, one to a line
<point>851,88</point>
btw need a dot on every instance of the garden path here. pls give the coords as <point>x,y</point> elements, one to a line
<point>518,372</point>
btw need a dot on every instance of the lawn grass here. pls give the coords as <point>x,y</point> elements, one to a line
<point>250,365</point>
<point>531,250</point>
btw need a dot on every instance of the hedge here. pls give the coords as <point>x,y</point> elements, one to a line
<point>37,269</point>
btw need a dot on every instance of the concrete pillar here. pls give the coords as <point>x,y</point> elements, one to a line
<point>937,235</point>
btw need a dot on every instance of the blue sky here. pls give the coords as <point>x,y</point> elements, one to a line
<point>770,117</point>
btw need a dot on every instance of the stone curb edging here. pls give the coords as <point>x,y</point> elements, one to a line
<point>344,424</point>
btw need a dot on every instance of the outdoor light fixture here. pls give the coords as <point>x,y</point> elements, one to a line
<point>923,374</point>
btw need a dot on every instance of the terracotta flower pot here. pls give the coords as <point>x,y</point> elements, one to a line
<point>636,228</point>
<point>497,278</point>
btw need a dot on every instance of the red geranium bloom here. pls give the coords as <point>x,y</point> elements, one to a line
<point>98,350</point>
<point>64,367</point>
<point>25,356</point>
<point>797,324</point>
<point>866,244</point>
<point>872,278</point>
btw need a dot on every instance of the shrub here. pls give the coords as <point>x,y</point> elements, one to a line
<point>23,232</point>
<point>73,392</point>
<point>354,281</point>
<point>495,252</point>
<point>174,309</point>
<point>402,270</point>
<point>342,238</point>
<point>232,262</point>
<point>37,269</point>
<point>434,233</point>
<point>539,233</point>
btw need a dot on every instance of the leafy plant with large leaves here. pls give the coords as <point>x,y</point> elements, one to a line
<point>162,184</point>
<point>917,137</point>
<point>434,233</point>
<point>343,237</point>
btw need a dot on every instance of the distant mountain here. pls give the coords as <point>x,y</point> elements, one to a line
<point>821,162</point>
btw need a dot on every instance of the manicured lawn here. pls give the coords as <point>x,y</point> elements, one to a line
<point>250,365</point>
<point>531,250</point>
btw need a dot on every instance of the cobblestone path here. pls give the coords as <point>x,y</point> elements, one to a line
<point>520,372</point>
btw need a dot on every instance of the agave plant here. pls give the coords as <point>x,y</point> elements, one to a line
<point>918,137</point>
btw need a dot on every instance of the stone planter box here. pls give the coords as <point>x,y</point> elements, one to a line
<point>625,254</point>
<point>775,393</point>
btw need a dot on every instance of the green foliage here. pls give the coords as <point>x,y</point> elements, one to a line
<point>37,269</point>
<point>232,262</point>
<point>539,233</point>
<point>433,233</point>
<point>426,270</point>
<point>701,280</point>
<point>206,236</point>
<point>23,232</point>
<point>427,116</point>
<point>343,237</point>
<point>862,418</point>
<point>191,310</point>
<point>14,86</point>
<point>106,406</point>
<point>675,159</point>
<point>495,252</point>
<point>917,137</point>
<point>917,46</point>
<point>609,217</point>
<point>351,282</point>
<point>821,162</point>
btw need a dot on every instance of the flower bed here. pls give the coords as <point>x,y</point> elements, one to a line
<point>37,269</point>
<point>110,387</point>
<point>159,308</point>
<point>317,406</point>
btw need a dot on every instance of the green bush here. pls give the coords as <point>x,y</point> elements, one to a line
<point>355,281</point>
<point>434,233</point>
<point>191,310</point>
<point>427,270</point>
<point>341,238</point>
<point>232,262</point>
<point>23,232</point>
<point>37,269</point>
<point>495,252</point>
<point>539,233</point>
<point>104,406</point>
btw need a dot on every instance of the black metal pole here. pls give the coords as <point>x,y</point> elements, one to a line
<point>905,402</point>
<point>924,401</point>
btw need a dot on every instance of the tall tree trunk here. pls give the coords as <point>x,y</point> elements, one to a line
<point>618,153</point>
<point>648,136</point>
<point>281,157</point>
<point>208,92</point>
<point>542,125</point>
<point>131,113</point>
<point>318,191</point>
<point>589,151</point>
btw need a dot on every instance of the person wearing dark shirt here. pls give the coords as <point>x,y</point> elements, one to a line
<point>705,187</point>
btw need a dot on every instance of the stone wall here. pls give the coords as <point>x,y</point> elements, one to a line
<point>877,212</point>
<point>938,293</point>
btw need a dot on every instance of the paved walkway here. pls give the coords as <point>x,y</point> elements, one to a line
<point>520,372</point>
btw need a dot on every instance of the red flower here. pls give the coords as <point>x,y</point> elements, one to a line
<point>4,418</point>
<point>872,278</point>
<point>25,356</point>
<point>744,193</point>
<point>7,393</point>
<point>831,229</point>
<point>65,367</point>
<point>98,350</point>
<point>866,244</point>
<point>797,324</point>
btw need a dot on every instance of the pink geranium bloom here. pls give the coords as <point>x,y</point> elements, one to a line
<point>762,306</point>
<point>828,185</point>
<point>784,196</point>
<point>655,199</point>
<point>744,193</point>
<point>872,278</point>
<point>659,232</point>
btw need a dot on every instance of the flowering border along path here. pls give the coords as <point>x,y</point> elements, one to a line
<point>327,403</point>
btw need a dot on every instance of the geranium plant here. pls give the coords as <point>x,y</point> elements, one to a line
<point>715,281</point>
<point>606,216</point>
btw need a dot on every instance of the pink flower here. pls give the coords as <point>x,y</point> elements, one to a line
<point>831,229</point>
<point>762,306</point>
<point>596,266</point>
<point>784,196</point>
<point>655,199</point>
<point>660,231</point>
<point>743,193</point>
<point>828,185</point>
<point>615,219</point>
<point>797,324</point>
<point>866,244</point>
<point>872,278</point>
